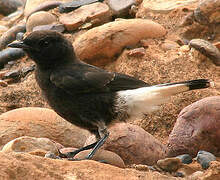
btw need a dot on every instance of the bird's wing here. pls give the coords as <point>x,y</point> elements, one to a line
<point>90,80</point>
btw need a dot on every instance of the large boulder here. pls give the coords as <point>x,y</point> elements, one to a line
<point>197,128</point>
<point>133,144</point>
<point>99,45</point>
<point>39,122</point>
<point>22,166</point>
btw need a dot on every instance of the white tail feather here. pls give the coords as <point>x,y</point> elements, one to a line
<point>147,99</point>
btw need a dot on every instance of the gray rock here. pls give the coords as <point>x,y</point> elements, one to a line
<point>19,36</point>
<point>9,6</point>
<point>207,49</point>
<point>185,158</point>
<point>121,8</point>
<point>10,54</point>
<point>54,27</point>
<point>204,158</point>
<point>70,6</point>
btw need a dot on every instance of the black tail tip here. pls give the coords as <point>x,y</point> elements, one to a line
<point>198,84</point>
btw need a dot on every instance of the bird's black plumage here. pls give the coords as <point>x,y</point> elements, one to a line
<point>82,94</point>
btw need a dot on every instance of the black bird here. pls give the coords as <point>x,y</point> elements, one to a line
<point>88,96</point>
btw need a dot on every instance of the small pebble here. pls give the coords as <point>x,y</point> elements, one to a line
<point>141,167</point>
<point>12,74</point>
<point>10,54</point>
<point>169,164</point>
<point>9,6</point>
<point>204,158</point>
<point>51,156</point>
<point>178,174</point>
<point>40,18</point>
<point>137,52</point>
<point>196,175</point>
<point>70,6</point>
<point>55,27</point>
<point>185,158</point>
<point>3,83</point>
<point>10,35</point>
<point>43,6</point>
<point>20,36</point>
<point>207,49</point>
<point>121,8</point>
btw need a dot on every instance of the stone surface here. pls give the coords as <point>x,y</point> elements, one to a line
<point>9,6</point>
<point>188,170</point>
<point>40,18</point>
<point>133,144</point>
<point>207,49</point>
<point>169,164</point>
<point>162,6</point>
<point>196,175</point>
<point>197,127</point>
<point>101,155</point>
<point>30,145</point>
<point>204,158</point>
<point>25,167</point>
<point>99,45</point>
<point>72,5</point>
<point>10,54</point>
<point>54,27</point>
<point>32,5</point>
<point>185,158</point>
<point>39,122</point>
<point>96,13</point>
<point>107,157</point>
<point>207,12</point>
<point>3,29</point>
<point>121,8</point>
<point>10,35</point>
<point>137,52</point>
<point>168,45</point>
<point>213,172</point>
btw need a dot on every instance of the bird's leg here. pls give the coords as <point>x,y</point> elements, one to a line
<point>104,135</point>
<point>70,155</point>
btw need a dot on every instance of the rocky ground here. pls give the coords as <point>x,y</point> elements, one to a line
<point>157,41</point>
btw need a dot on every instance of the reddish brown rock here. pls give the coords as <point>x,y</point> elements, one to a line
<point>39,122</point>
<point>137,52</point>
<point>99,45</point>
<point>169,164</point>
<point>30,145</point>
<point>197,127</point>
<point>22,166</point>
<point>168,45</point>
<point>133,144</point>
<point>96,13</point>
<point>213,173</point>
<point>161,6</point>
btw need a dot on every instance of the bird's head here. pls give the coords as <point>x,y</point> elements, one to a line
<point>46,48</point>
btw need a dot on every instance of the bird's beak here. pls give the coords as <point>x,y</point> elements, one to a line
<point>18,44</point>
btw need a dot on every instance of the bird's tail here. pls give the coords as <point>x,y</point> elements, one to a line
<point>147,99</point>
<point>170,89</point>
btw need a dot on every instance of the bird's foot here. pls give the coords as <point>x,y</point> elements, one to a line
<point>78,159</point>
<point>68,155</point>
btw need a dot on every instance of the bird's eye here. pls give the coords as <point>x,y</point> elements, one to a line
<point>44,43</point>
